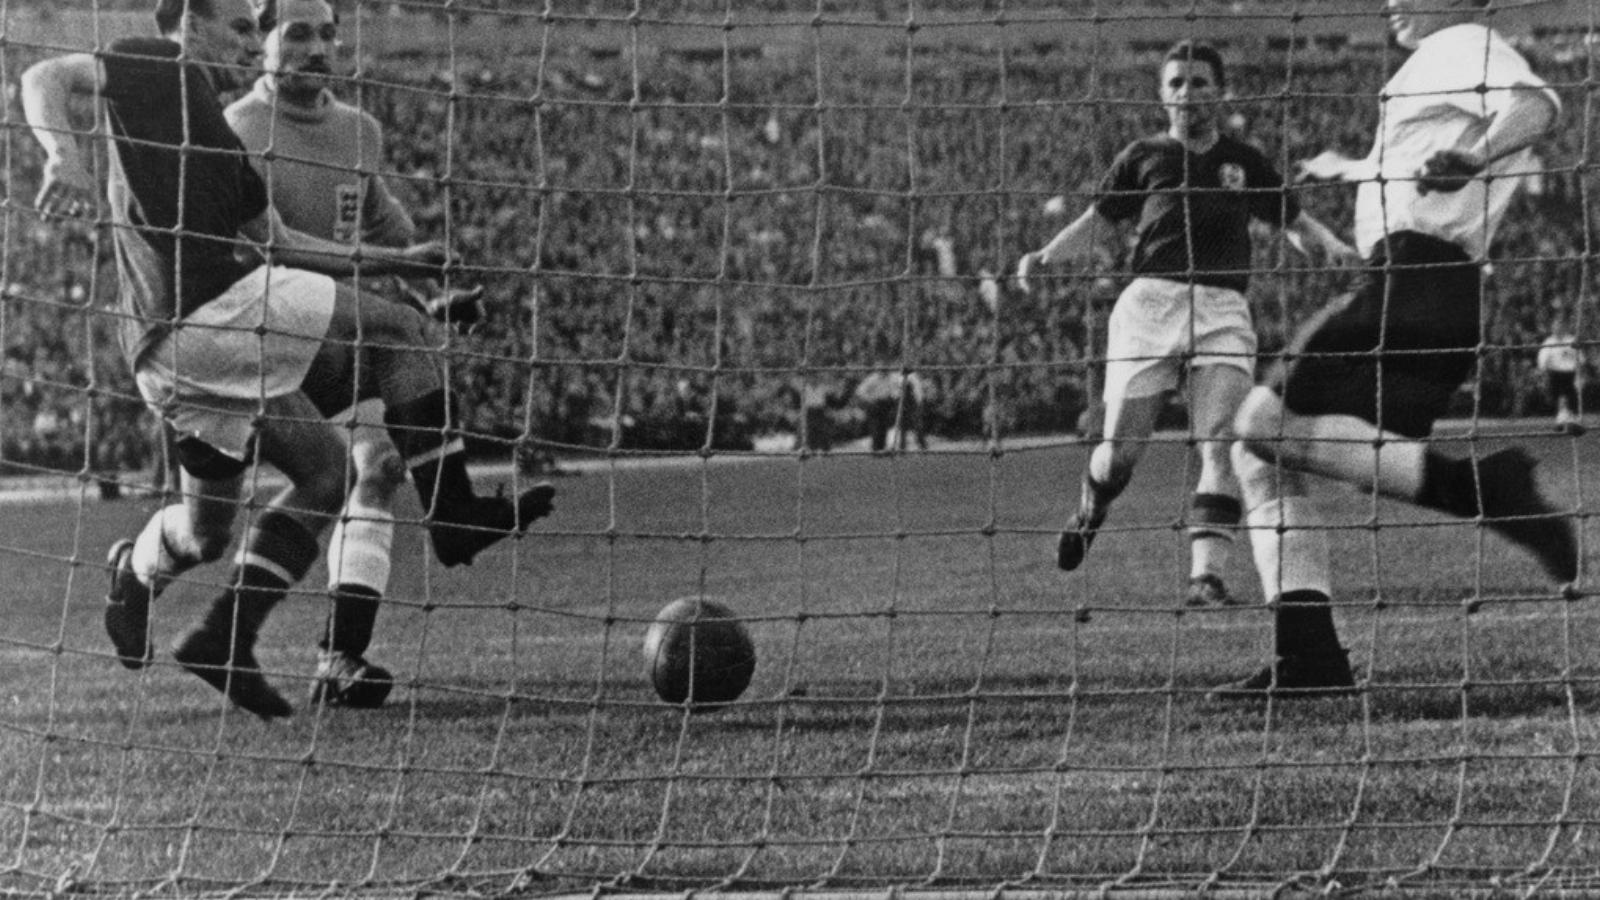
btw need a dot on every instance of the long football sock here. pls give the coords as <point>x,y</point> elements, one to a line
<point>360,547</point>
<point>1290,547</point>
<point>355,612</point>
<point>278,551</point>
<point>1213,519</point>
<point>358,575</point>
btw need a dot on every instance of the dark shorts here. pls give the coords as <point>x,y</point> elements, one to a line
<point>1395,350</point>
<point>1562,385</point>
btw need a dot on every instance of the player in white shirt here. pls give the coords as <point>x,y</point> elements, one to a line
<point>1365,381</point>
<point>1561,361</point>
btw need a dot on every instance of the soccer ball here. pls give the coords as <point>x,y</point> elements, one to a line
<point>697,651</point>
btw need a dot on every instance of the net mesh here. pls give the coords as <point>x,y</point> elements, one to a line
<point>718,240</point>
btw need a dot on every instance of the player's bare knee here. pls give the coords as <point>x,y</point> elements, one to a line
<point>379,472</point>
<point>1259,423</point>
<point>1121,458</point>
<point>1216,456</point>
<point>1247,464</point>
<point>1262,479</point>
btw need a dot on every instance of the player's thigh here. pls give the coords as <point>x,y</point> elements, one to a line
<point>306,448</point>
<point>1215,393</point>
<point>212,505</point>
<point>1132,419</point>
<point>372,450</point>
<point>1392,353</point>
<point>1329,366</point>
<point>360,315</point>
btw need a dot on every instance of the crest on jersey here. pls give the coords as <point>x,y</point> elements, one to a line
<point>1232,176</point>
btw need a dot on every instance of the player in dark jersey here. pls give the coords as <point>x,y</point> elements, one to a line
<point>1190,193</point>
<point>244,359</point>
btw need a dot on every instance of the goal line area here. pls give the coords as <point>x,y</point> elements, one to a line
<point>751,310</point>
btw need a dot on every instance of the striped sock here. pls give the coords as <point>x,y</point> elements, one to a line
<point>277,552</point>
<point>1213,519</point>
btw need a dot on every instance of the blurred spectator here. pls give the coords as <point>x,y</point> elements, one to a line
<point>893,405</point>
<point>1561,360</point>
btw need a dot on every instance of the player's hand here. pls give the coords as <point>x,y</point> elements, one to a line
<point>1342,255</point>
<point>460,308</point>
<point>1329,165</point>
<point>426,260</point>
<point>68,190</point>
<point>1026,266</point>
<point>1448,171</point>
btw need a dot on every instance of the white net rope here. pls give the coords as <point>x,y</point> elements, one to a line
<point>704,225</point>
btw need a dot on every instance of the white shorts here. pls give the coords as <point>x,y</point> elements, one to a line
<point>252,343</point>
<point>1159,326</point>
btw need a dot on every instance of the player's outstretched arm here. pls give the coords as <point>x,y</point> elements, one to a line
<point>1307,232</point>
<point>1073,244</point>
<point>68,187</point>
<point>1331,165</point>
<point>389,224</point>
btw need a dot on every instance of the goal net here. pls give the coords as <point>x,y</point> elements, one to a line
<point>747,267</point>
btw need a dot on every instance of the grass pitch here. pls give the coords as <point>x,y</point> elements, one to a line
<point>933,702</point>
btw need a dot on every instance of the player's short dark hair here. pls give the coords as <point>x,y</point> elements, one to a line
<point>1196,51</point>
<point>169,13</point>
<point>267,17</point>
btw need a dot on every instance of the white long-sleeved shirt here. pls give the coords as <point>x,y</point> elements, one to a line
<point>1443,97</point>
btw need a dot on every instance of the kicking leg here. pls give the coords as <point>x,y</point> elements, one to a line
<point>385,348</point>
<point>1129,424</point>
<point>1500,487</point>
<point>279,547</point>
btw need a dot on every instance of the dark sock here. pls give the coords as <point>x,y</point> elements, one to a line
<point>277,545</point>
<point>1304,625</point>
<point>1448,485</point>
<point>355,611</point>
<point>1214,515</point>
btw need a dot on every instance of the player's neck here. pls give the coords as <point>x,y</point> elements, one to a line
<point>1194,140</point>
<point>300,99</point>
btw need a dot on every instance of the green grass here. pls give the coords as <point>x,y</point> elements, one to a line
<point>933,702</point>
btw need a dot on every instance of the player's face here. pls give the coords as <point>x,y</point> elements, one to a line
<point>227,40</point>
<point>1412,20</point>
<point>1190,93</point>
<point>301,47</point>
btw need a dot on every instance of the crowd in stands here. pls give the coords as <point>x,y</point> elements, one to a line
<point>679,9</point>
<point>681,248</point>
